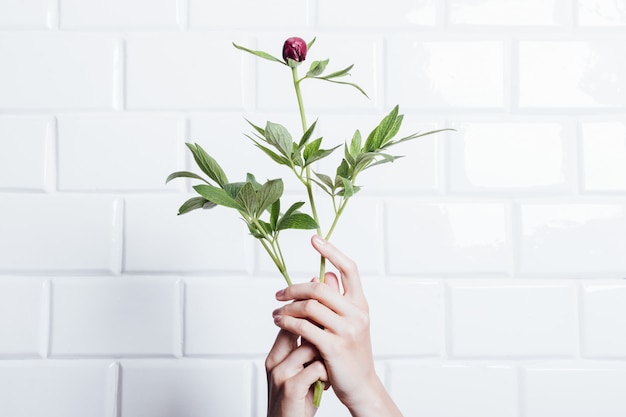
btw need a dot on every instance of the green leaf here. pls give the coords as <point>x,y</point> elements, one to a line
<point>311,148</point>
<point>316,68</point>
<point>297,221</point>
<point>355,144</point>
<point>319,154</point>
<point>184,174</point>
<point>217,195</point>
<point>192,204</point>
<point>384,131</point>
<point>207,164</point>
<point>260,54</point>
<point>386,159</point>
<point>275,157</point>
<point>345,83</point>
<point>274,213</point>
<point>278,136</point>
<point>257,128</point>
<point>254,231</point>
<point>348,190</point>
<point>310,44</point>
<point>340,73</point>
<point>252,180</point>
<point>292,209</point>
<point>343,170</point>
<point>247,199</point>
<point>268,194</point>
<point>307,135</point>
<point>414,136</point>
<point>233,188</point>
<point>325,179</point>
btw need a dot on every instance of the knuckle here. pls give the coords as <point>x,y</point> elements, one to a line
<point>309,306</point>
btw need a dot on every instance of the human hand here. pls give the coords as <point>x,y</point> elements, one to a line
<point>292,370</point>
<point>343,339</point>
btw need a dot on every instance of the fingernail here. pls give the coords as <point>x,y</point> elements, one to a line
<point>280,293</point>
<point>319,240</point>
<point>277,319</point>
<point>275,312</point>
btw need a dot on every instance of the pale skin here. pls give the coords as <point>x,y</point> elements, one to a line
<point>337,347</point>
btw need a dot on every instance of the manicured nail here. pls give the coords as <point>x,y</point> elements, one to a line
<point>319,240</point>
<point>280,293</point>
<point>277,319</point>
<point>275,312</point>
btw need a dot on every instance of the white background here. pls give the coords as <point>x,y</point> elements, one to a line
<point>493,257</point>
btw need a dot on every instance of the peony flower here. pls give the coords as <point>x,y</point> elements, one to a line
<point>294,49</point>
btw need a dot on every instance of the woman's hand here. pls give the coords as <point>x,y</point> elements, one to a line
<point>291,372</point>
<point>338,326</point>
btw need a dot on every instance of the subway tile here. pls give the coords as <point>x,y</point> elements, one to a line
<point>428,75</point>
<point>406,316</point>
<point>574,390</point>
<point>115,317</point>
<point>250,14</point>
<point>511,12</point>
<point>191,388</point>
<point>275,89</point>
<point>604,156</point>
<point>214,240</point>
<point>23,317</point>
<point>496,157</point>
<point>57,71</point>
<point>416,172</point>
<point>603,320</point>
<point>215,325</point>
<point>601,13</point>
<point>25,152</point>
<point>573,239</point>
<point>515,319</point>
<point>181,71</point>
<point>451,390</point>
<point>572,74</point>
<point>426,238</point>
<point>99,153</point>
<point>78,14</point>
<point>26,14</point>
<point>394,13</point>
<point>73,233</point>
<point>58,388</point>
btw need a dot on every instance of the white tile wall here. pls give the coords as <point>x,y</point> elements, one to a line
<point>191,388</point>
<point>100,153</point>
<point>26,152</point>
<point>492,256</point>
<point>511,12</point>
<point>58,388</point>
<point>28,300</point>
<point>602,320</point>
<point>58,71</point>
<point>478,389</point>
<point>86,15</point>
<point>26,14</point>
<point>555,389</point>
<point>512,319</point>
<point>115,317</point>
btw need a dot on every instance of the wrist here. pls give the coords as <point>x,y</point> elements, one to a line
<point>373,401</point>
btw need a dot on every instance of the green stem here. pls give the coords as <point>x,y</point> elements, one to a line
<point>336,219</point>
<point>309,188</point>
<point>319,385</point>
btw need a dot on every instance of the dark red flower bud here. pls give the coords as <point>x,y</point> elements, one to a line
<point>294,49</point>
